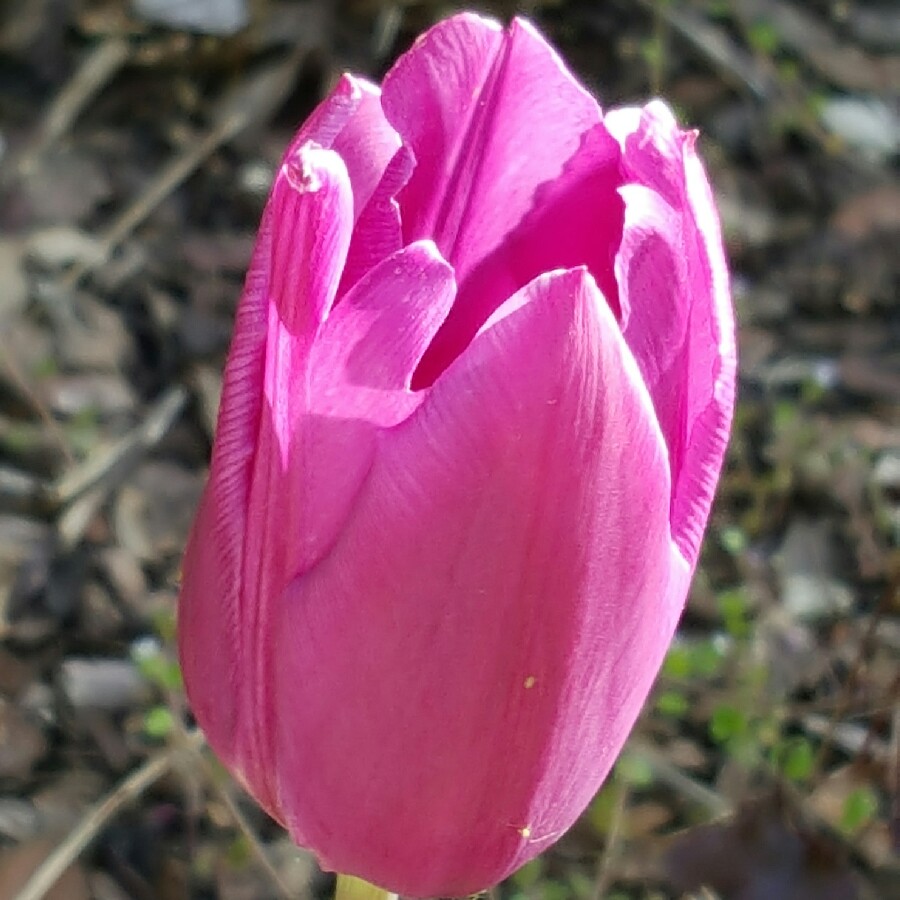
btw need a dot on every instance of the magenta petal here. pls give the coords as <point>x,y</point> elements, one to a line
<point>356,381</point>
<point>364,357</point>
<point>367,143</point>
<point>578,221</point>
<point>444,73</point>
<point>492,654</point>
<point>478,164</point>
<point>673,280</point>
<point>351,122</point>
<point>378,231</point>
<point>312,213</point>
<point>237,560</point>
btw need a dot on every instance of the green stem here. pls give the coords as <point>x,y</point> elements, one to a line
<point>352,888</point>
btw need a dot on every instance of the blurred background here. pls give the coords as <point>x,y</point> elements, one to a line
<point>137,144</point>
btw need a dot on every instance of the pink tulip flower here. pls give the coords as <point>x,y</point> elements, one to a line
<point>473,416</point>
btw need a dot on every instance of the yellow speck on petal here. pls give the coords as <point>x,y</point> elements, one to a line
<point>525,832</point>
<point>530,682</point>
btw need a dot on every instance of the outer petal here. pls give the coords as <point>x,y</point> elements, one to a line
<point>236,558</point>
<point>673,283</point>
<point>486,662</point>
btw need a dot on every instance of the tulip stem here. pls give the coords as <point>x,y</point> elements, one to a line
<point>351,888</point>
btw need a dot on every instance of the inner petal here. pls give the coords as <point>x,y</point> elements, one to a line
<point>489,115</point>
<point>351,122</point>
<point>575,220</point>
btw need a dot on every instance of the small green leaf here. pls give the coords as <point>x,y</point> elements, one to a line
<point>678,662</point>
<point>733,609</point>
<point>732,603</point>
<point>653,52</point>
<point>633,770</point>
<point>764,38</point>
<point>785,415</point>
<point>171,676</point>
<point>734,539</point>
<point>602,809</point>
<point>238,853</point>
<point>859,809</point>
<point>156,666</point>
<point>706,658</point>
<point>554,890</point>
<point>152,667</point>
<point>158,722</point>
<point>797,759</point>
<point>45,368</point>
<point>529,875</point>
<point>672,703</point>
<point>727,722</point>
<point>349,887</point>
<point>164,624</point>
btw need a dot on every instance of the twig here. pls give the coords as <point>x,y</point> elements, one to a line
<point>893,780</point>
<point>158,189</point>
<point>240,109</point>
<point>52,868</point>
<point>735,66</point>
<point>37,405</point>
<point>889,598</point>
<point>81,492</point>
<point>95,72</point>
<point>123,452</point>
<point>851,738</point>
<point>822,48</point>
<point>225,795</point>
<point>676,779</point>
<point>603,875</point>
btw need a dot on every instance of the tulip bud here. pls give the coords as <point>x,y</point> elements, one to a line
<point>473,416</point>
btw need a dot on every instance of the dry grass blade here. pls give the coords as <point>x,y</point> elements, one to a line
<point>669,774</point>
<point>714,44</point>
<point>890,599</point>
<point>604,873</point>
<point>225,795</point>
<point>106,466</point>
<point>834,58</point>
<point>95,72</point>
<point>15,377</point>
<point>247,104</point>
<point>91,824</point>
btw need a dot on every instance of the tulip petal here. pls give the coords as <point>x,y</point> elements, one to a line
<point>378,231</point>
<point>478,165</point>
<point>233,568</point>
<point>356,381</point>
<point>351,122</point>
<point>489,659</point>
<point>578,221</point>
<point>444,72</point>
<point>363,359</point>
<point>673,280</point>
